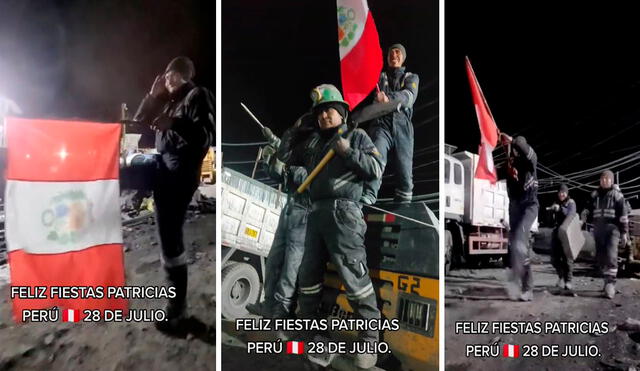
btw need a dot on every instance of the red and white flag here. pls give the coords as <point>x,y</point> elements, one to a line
<point>295,347</point>
<point>70,315</point>
<point>360,53</point>
<point>510,351</point>
<point>488,129</point>
<point>63,225</point>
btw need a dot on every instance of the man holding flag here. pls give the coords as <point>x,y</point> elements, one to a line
<point>522,187</point>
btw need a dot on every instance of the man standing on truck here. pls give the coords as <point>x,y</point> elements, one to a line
<point>336,225</point>
<point>183,117</point>
<point>395,130</point>
<point>563,208</point>
<point>287,248</point>
<point>608,213</point>
<point>522,188</point>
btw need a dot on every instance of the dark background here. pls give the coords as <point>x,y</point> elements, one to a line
<point>567,77</point>
<point>81,59</point>
<point>274,53</point>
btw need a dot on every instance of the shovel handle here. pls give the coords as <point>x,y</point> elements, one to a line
<point>303,187</point>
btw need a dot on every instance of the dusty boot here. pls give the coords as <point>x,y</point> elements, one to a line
<point>176,306</point>
<point>560,283</point>
<point>371,338</point>
<point>568,285</point>
<point>527,295</point>
<point>610,290</point>
<point>512,286</point>
<point>176,318</point>
<point>365,360</point>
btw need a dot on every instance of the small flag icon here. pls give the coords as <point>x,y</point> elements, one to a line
<point>295,347</point>
<point>511,351</point>
<point>71,315</point>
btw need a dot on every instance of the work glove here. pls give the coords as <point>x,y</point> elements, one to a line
<point>341,146</point>
<point>554,207</point>
<point>273,140</point>
<point>267,152</point>
<point>297,175</point>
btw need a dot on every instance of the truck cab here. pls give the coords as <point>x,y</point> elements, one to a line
<point>476,212</point>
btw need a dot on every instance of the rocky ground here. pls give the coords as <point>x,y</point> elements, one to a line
<point>478,295</point>
<point>125,346</point>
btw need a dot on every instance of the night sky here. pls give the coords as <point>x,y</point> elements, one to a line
<point>568,79</point>
<point>81,59</point>
<point>274,53</point>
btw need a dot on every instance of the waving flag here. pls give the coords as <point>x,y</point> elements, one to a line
<point>360,53</point>
<point>63,225</point>
<point>488,129</point>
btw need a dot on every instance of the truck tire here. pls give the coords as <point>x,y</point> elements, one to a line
<point>448,251</point>
<point>240,286</point>
<point>458,255</point>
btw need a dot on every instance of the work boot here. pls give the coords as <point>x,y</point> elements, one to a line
<point>560,283</point>
<point>610,290</point>
<point>176,307</point>
<point>568,285</point>
<point>176,318</point>
<point>512,286</point>
<point>527,295</point>
<point>365,360</point>
<point>177,277</point>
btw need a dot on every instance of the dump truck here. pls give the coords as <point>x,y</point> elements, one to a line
<point>476,212</point>
<point>250,211</point>
<point>402,256</point>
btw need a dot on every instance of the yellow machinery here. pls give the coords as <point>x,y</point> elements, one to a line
<point>402,255</point>
<point>208,170</point>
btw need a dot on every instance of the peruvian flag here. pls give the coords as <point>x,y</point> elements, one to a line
<point>63,225</point>
<point>510,351</point>
<point>295,347</point>
<point>70,315</point>
<point>360,53</point>
<point>488,129</point>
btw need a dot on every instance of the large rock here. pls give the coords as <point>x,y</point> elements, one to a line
<point>542,244</point>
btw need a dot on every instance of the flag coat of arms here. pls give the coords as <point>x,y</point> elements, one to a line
<point>360,53</point>
<point>63,224</point>
<point>488,129</point>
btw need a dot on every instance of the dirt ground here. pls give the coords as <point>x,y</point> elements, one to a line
<point>236,358</point>
<point>125,346</point>
<point>478,295</point>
